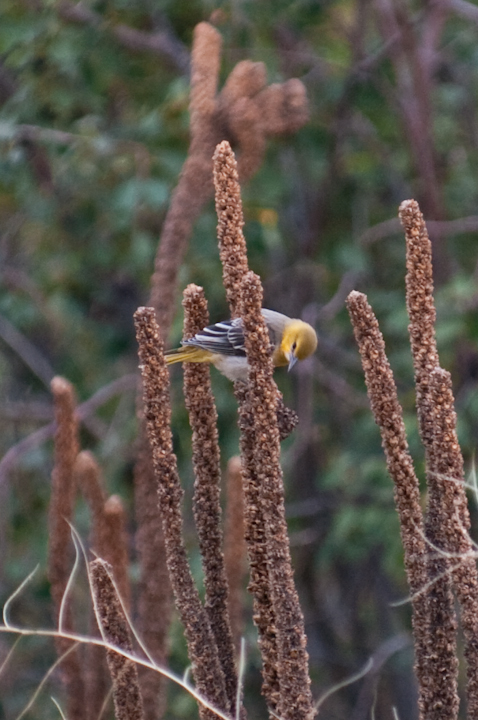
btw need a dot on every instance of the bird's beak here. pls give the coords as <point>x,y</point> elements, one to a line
<point>292,361</point>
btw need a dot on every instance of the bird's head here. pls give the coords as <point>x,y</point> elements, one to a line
<point>298,342</point>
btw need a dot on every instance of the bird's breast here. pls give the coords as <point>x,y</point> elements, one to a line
<point>233,367</point>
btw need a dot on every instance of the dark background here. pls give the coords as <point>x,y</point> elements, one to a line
<point>84,188</point>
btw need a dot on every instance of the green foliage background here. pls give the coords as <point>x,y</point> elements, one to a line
<point>84,189</point>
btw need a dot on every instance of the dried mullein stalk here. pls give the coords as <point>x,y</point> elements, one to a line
<point>448,525</point>
<point>207,489</point>
<point>295,699</point>
<point>60,546</point>
<point>114,628</point>
<point>438,551</point>
<point>235,547</point>
<point>97,678</point>
<point>233,252</point>
<point>257,551</point>
<point>195,183</point>
<point>155,603</point>
<point>246,112</point>
<point>442,663</point>
<point>282,676</point>
<point>230,221</point>
<point>421,311</point>
<point>388,415</point>
<point>202,649</point>
<point>113,546</point>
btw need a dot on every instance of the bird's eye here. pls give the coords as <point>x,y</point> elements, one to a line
<point>294,346</point>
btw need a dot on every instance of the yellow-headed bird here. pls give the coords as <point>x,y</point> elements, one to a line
<point>222,344</point>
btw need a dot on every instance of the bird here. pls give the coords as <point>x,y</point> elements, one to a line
<point>223,346</point>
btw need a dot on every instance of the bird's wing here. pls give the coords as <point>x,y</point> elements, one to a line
<point>225,338</point>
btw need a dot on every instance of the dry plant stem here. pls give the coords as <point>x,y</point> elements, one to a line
<point>113,546</point>
<point>446,476</point>
<point>257,550</point>
<point>283,107</point>
<point>287,419</point>
<point>63,489</point>
<point>207,489</point>
<point>97,678</point>
<point>232,245</point>
<point>389,417</point>
<point>126,693</point>
<point>194,186</point>
<point>442,663</point>
<point>442,660</point>
<point>88,479</point>
<point>202,649</point>
<point>421,311</point>
<point>233,252</point>
<point>239,103</point>
<point>193,189</point>
<point>235,547</point>
<point>109,540</point>
<point>246,112</point>
<point>252,111</point>
<point>293,661</point>
<point>154,592</point>
<point>60,546</point>
<point>422,314</point>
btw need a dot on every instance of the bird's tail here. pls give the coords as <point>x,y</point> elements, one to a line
<point>187,354</point>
